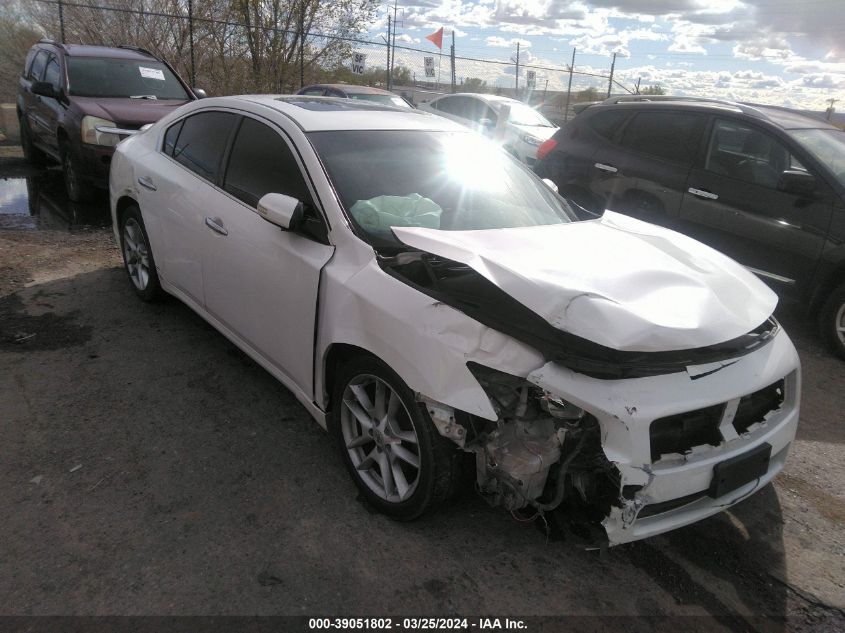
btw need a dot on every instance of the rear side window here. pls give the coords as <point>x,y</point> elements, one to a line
<point>170,137</point>
<point>38,64</point>
<point>454,105</point>
<point>668,135</point>
<point>261,162</point>
<point>202,141</point>
<point>606,123</point>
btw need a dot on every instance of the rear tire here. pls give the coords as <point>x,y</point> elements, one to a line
<point>391,448</point>
<point>138,260</point>
<point>31,154</point>
<point>832,321</point>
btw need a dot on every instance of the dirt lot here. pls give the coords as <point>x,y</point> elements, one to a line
<point>149,467</point>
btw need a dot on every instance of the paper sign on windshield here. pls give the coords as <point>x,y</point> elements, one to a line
<point>151,73</point>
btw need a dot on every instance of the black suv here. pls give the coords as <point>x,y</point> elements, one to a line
<point>67,93</point>
<point>764,185</point>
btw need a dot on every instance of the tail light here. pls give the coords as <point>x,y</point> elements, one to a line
<point>546,148</point>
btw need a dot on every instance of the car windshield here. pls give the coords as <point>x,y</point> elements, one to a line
<point>827,146</point>
<point>391,100</point>
<point>451,181</point>
<point>112,77</point>
<point>522,114</point>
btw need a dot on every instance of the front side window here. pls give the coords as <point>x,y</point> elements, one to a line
<point>826,146</point>
<point>261,162</point>
<point>202,142</point>
<point>667,135</point>
<point>53,73</point>
<point>748,154</point>
<point>451,181</point>
<point>170,137</point>
<point>38,64</point>
<point>124,78</point>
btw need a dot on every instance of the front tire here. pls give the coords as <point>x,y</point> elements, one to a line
<point>391,449</point>
<point>138,260</point>
<point>832,321</point>
<point>77,189</point>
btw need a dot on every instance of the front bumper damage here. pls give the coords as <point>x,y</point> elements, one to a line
<point>635,456</point>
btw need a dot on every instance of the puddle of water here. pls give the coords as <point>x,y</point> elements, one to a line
<point>38,202</point>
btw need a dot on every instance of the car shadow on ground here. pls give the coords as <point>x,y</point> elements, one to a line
<point>204,487</point>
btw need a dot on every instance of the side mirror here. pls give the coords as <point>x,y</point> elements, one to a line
<point>200,93</point>
<point>45,89</point>
<point>281,210</point>
<point>550,184</point>
<point>797,182</point>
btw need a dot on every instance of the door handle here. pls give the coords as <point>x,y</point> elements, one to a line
<point>607,168</point>
<point>215,225</point>
<point>701,193</point>
<point>147,182</point>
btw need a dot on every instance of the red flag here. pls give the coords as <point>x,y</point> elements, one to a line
<point>436,38</point>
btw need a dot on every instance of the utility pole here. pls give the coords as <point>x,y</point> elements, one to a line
<point>453,61</point>
<point>830,108</point>
<point>516,90</point>
<point>610,83</point>
<point>569,89</point>
<point>639,79</point>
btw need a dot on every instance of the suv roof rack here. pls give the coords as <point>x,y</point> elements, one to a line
<point>45,40</point>
<point>138,49</point>
<point>742,107</point>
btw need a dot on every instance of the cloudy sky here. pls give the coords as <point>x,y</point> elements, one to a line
<point>785,52</point>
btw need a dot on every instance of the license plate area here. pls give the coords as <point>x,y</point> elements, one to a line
<point>737,471</point>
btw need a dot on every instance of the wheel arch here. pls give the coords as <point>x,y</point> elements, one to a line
<point>834,278</point>
<point>120,207</point>
<point>334,358</point>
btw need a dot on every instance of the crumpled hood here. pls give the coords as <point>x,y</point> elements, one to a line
<point>131,112</point>
<point>616,281</point>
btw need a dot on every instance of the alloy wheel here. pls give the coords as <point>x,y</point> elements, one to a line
<point>136,254</point>
<point>839,323</point>
<point>379,435</point>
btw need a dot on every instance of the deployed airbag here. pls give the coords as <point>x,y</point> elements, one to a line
<point>382,212</point>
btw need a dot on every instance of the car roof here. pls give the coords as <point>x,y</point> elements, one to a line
<point>784,118</point>
<point>352,89</point>
<point>313,114</point>
<point>82,50</point>
<point>483,97</point>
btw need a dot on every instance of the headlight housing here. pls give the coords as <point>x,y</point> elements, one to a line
<point>92,136</point>
<point>530,139</point>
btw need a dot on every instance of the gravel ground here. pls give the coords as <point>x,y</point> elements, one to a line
<point>148,467</point>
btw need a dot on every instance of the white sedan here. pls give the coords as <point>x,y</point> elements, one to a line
<point>429,301</point>
<point>519,127</point>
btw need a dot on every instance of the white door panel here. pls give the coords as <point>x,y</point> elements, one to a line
<point>176,208</point>
<point>262,283</point>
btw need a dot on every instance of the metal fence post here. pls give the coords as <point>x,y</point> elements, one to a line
<point>61,22</point>
<point>191,41</point>
<point>569,89</point>
<point>453,61</point>
<point>388,49</point>
<point>516,88</point>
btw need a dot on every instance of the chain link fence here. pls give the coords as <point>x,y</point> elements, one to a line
<point>226,50</point>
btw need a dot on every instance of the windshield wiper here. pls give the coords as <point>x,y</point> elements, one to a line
<point>143,97</point>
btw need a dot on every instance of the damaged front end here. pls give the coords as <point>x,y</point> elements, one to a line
<point>615,443</point>
<point>541,453</point>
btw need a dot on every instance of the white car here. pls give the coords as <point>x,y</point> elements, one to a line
<point>428,299</point>
<point>519,127</point>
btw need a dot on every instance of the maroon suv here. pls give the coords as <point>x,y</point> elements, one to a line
<point>69,93</point>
